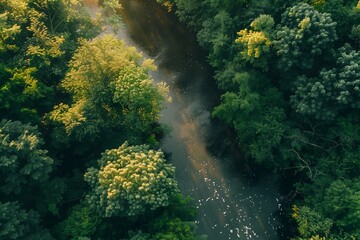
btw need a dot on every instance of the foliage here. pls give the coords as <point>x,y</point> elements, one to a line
<point>342,203</point>
<point>260,130</point>
<point>289,86</point>
<point>20,91</point>
<point>23,162</point>
<point>311,223</point>
<point>37,39</point>
<point>174,223</point>
<point>256,43</point>
<point>111,91</point>
<point>172,229</point>
<point>214,36</point>
<point>303,34</point>
<point>82,222</point>
<point>334,91</point>
<point>130,181</point>
<point>16,223</point>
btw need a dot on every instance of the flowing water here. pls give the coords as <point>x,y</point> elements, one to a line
<point>233,200</point>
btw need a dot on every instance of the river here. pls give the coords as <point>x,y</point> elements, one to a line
<point>234,201</point>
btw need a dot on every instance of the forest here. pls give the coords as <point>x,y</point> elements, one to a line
<point>79,131</point>
<point>79,156</point>
<point>289,74</point>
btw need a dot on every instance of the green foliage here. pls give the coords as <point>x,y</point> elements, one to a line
<point>334,91</point>
<point>16,223</point>
<point>291,95</point>
<point>174,223</point>
<point>112,10</point>
<point>23,162</point>
<point>35,47</point>
<point>20,91</point>
<point>172,229</point>
<point>139,235</point>
<point>263,23</point>
<point>193,13</point>
<point>355,34</point>
<point>111,91</point>
<point>311,223</point>
<point>214,36</point>
<point>260,130</point>
<point>175,229</point>
<point>303,34</point>
<point>52,192</point>
<point>130,181</point>
<point>82,222</point>
<point>342,203</point>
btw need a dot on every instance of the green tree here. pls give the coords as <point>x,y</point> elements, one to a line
<point>111,91</point>
<point>37,38</point>
<point>130,181</point>
<point>193,13</point>
<point>81,222</point>
<point>255,112</point>
<point>334,91</point>
<point>342,203</point>
<point>23,161</point>
<point>303,35</point>
<point>214,36</point>
<point>311,223</point>
<point>21,92</point>
<point>303,115</point>
<point>16,224</point>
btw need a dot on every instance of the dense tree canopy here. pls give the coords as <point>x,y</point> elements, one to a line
<point>334,91</point>
<point>16,223</point>
<point>37,39</point>
<point>289,83</point>
<point>63,91</point>
<point>289,76</point>
<point>130,181</point>
<point>303,34</point>
<point>110,91</point>
<point>23,161</point>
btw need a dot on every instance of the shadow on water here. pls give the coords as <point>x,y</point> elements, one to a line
<point>234,200</point>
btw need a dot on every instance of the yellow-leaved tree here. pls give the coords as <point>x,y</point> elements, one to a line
<point>130,181</point>
<point>111,91</point>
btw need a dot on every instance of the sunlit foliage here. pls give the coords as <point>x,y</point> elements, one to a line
<point>130,181</point>
<point>257,42</point>
<point>111,91</point>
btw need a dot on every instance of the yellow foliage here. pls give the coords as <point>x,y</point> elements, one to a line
<point>255,43</point>
<point>296,211</point>
<point>46,45</point>
<point>168,5</point>
<point>305,23</point>
<point>7,32</point>
<point>139,190</point>
<point>149,64</point>
<point>317,3</point>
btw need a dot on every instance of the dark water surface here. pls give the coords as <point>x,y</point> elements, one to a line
<point>233,201</point>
